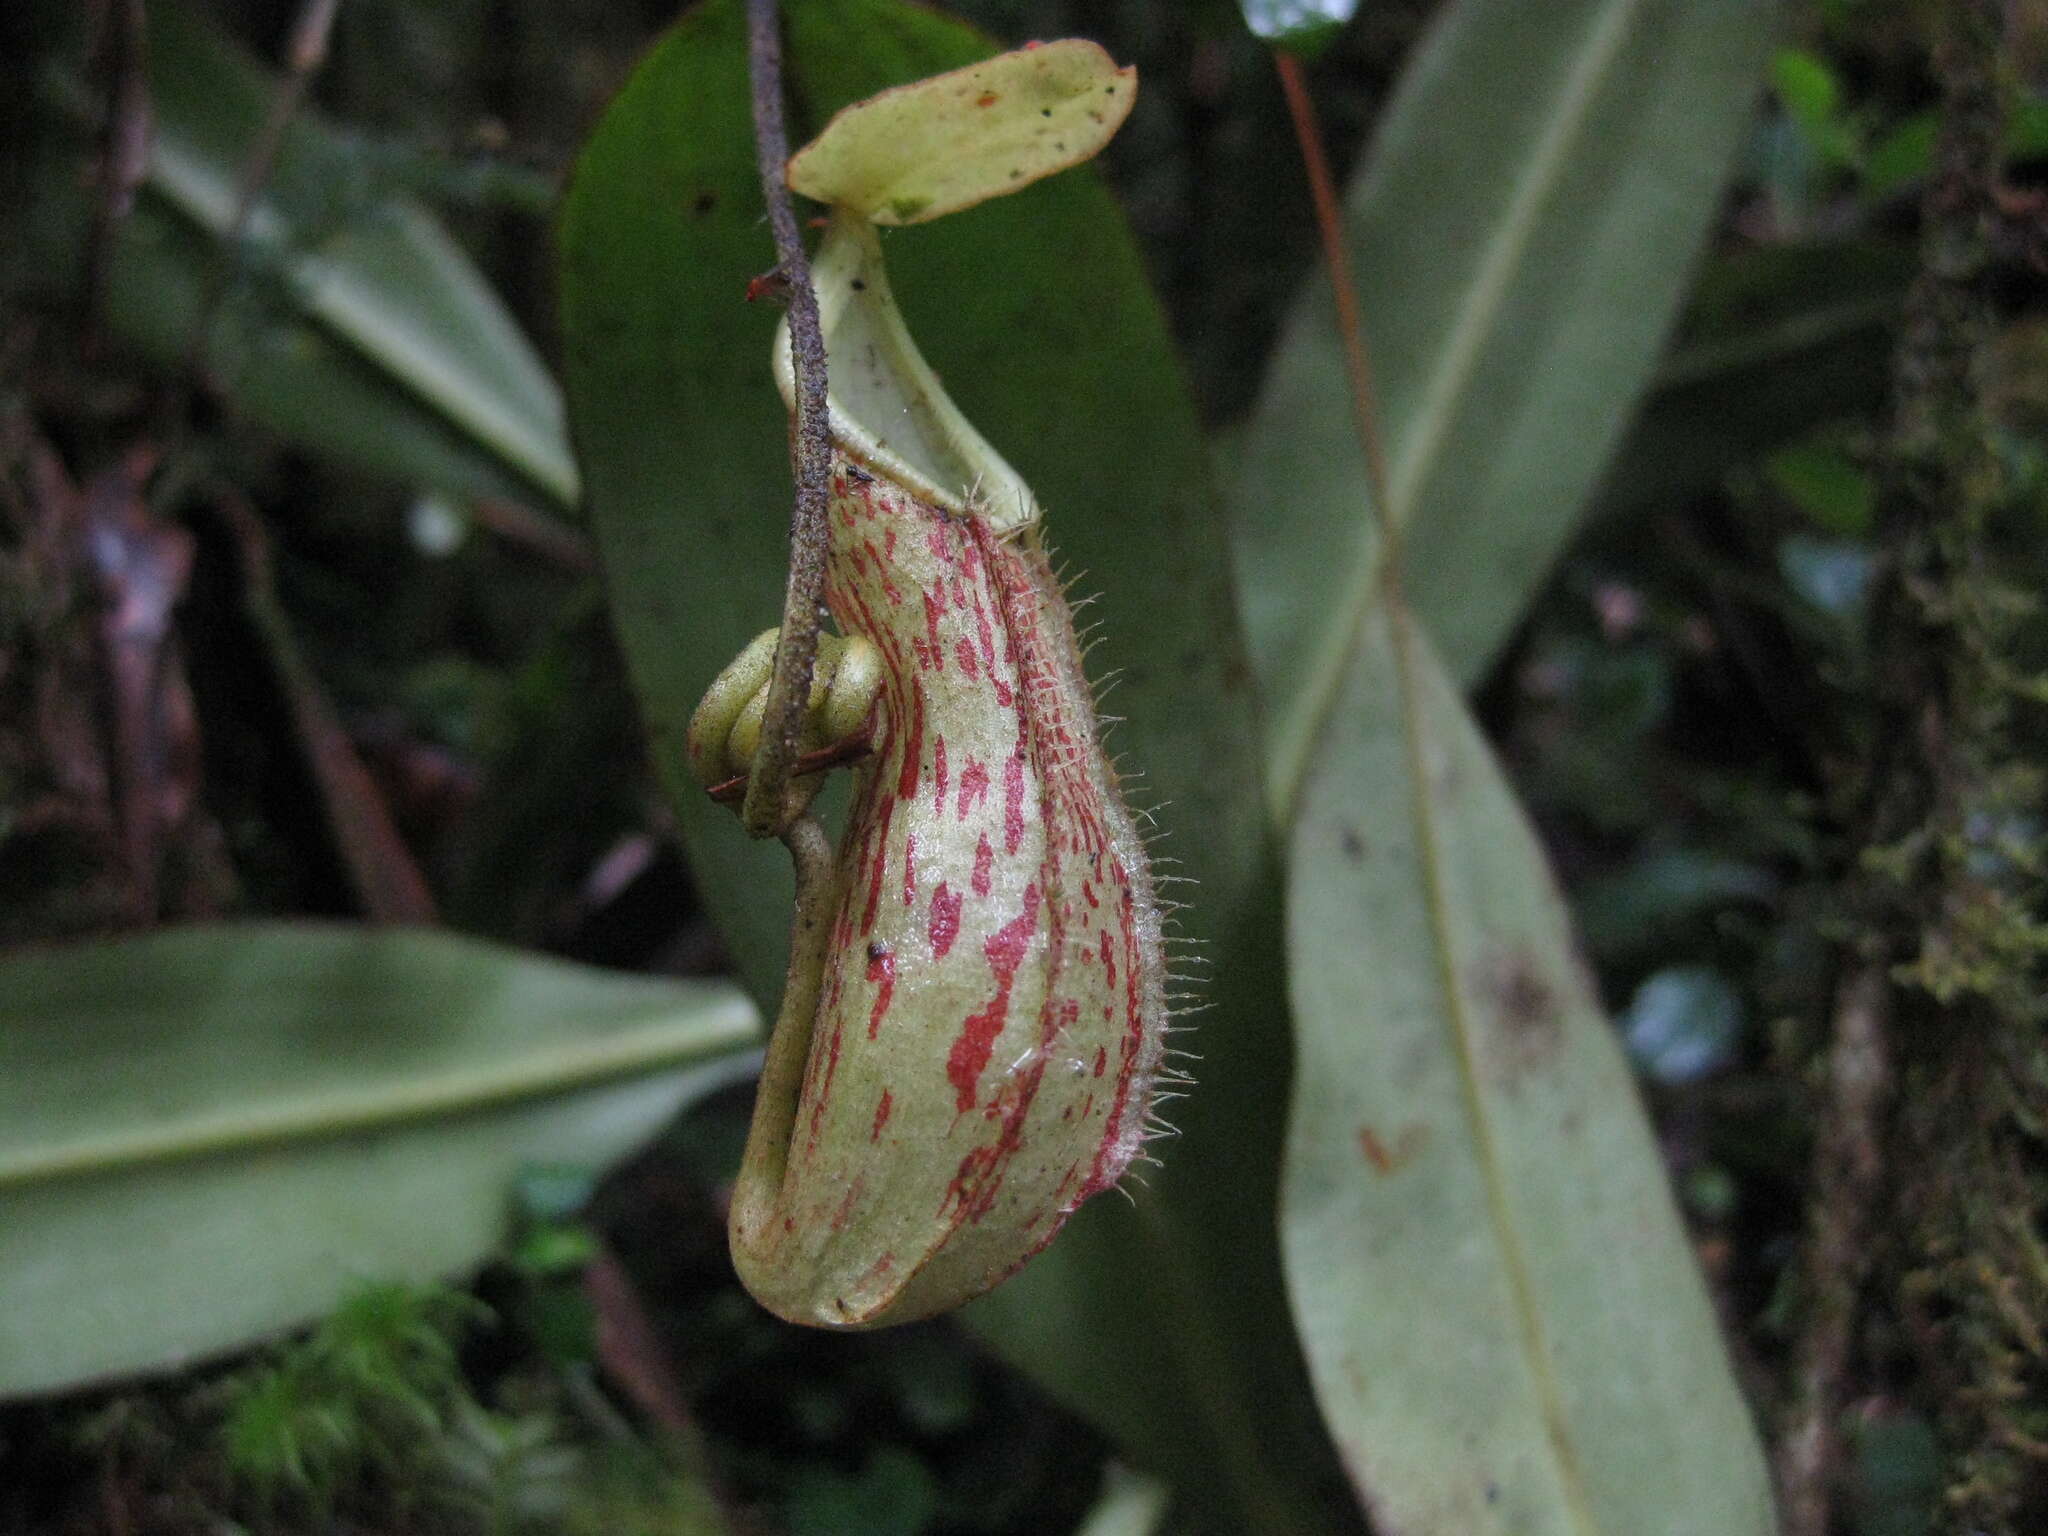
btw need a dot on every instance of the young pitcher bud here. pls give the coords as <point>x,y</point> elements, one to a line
<point>983,1036</point>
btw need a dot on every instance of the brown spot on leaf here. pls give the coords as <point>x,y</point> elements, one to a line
<point>1353,844</point>
<point>1385,1158</point>
<point>1524,1010</point>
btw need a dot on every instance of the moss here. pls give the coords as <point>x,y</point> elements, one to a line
<point>1950,888</point>
<point>1962,888</point>
<point>368,1422</point>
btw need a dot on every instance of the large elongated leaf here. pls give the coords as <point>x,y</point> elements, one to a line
<point>209,1134</point>
<point>1501,1310</point>
<point>1502,1316</point>
<point>1165,1321</point>
<point>1521,235</point>
<point>287,371</point>
<point>358,327</point>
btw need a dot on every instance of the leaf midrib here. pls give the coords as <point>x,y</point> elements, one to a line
<point>1417,452</point>
<point>717,1035</point>
<point>1430,854</point>
<point>357,316</point>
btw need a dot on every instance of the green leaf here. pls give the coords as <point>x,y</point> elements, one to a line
<point>1519,255</point>
<point>682,436</point>
<point>1806,87</point>
<point>1165,1322</point>
<point>1501,1312</point>
<point>211,1133</point>
<point>1902,156</point>
<point>358,327</point>
<point>285,371</point>
<point>1501,1309</point>
<point>1837,494</point>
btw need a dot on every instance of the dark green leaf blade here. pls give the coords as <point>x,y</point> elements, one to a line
<point>681,435</point>
<point>208,1134</point>
<point>1035,311</point>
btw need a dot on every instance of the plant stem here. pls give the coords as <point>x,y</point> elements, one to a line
<point>1350,327</point>
<point>759,1184</point>
<point>769,808</point>
<point>124,138</point>
<point>390,887</point>
<point>305,55</point>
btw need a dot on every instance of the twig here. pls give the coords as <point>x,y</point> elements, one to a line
<point>547,537</point>
<point>387,880</point>
<point>629,1351</point>
<point>1848,1167</point>
<point>769,809</point>
<point>141,567</point>
<point>304,56</point>
<point>733,791</point>
<point>124,142</point>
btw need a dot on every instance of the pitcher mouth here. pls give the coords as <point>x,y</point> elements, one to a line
<point>887,408</point>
